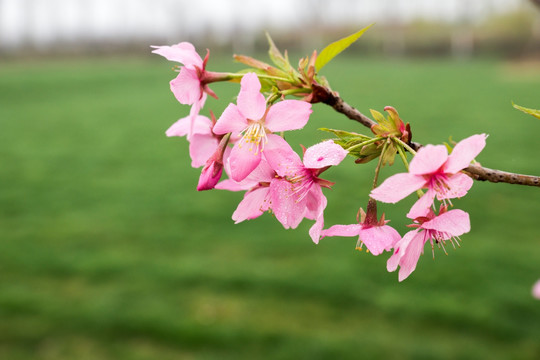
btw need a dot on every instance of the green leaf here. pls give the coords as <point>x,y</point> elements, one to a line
<point>277,58</point>
<point>347,135</point>
<point>533,112</point>
<point>332,50</point>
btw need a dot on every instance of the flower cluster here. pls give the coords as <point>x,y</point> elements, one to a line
<point>247,142</point>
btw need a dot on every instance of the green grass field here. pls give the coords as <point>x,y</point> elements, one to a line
<point>107,251</point>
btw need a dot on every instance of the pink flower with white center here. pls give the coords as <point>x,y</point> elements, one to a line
<point>254,121</point>
<point>202,141</point>
<point>301,194</point>
<point>536,290</point>
<point>190,86</point>
<point>376,235</point>
<point>257,198</point>
<point>434,169</point>
<point>447,226</point>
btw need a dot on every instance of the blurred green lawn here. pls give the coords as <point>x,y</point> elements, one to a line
<point>107,251</point>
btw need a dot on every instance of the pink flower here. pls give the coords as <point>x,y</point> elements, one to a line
<point>190,86</point>
<point>434,169</point>
<point>202,141</point>
<point>375,234</point>
<point>255,121</point>
<point>257,198</point>
<point>447,226</point>
<point>301,194</point>
<point>536,290</point>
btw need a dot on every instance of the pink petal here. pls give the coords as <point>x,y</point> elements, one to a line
<point>459,184</point>
<point>342,230</point>
<point>324,154</point>
<point>428,159</point>
<point>251,102</point>
<point>287,210</point>
<point>315,230</point>
<point>201,125</point>
<point>183,53</point>
<point>393,261</point>
<point>262,173</point>
<point>316,198</point>
<point>422,206</point>
<point>243,161</point>
<point>409,258</point>
<point>464,152</point>
<point>400,248</point>
<point>186,87</point>
<point>201,147</point>
<point>536,290</point>
<point>454,222</point>
<point>281,157</point>
<point>232,185</point>
<point>288,115</point>
<point>397,187</point>
<point>379,238</point>
<point>194,112</point>
<point>230,121</point>
<point>254,204</point>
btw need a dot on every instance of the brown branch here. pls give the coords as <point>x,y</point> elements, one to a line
<point>329,97</point>
<point>476,172</point>
<point>485,174</point>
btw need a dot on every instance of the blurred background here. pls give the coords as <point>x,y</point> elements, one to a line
<point>107,251</point>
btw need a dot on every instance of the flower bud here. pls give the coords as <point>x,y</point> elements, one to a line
<point>210,175</point>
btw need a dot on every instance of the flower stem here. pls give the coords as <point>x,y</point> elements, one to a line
<point>405,145</point>
<point>402,155</point>
<point>367,142</point>
<point>379,164</point>
<point>294,91</point>
<point>232,76</point>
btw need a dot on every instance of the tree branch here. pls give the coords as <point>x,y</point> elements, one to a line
<point>476,172</point>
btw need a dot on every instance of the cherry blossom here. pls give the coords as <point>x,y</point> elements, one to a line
<point>376,235</point>
<point>301,194</point>
<point>434,169</point>
<point>447,226</point>
<point>254,121</point>
<point>190,86</point>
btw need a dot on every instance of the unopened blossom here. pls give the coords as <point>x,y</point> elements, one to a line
<point>202,141</point>
<point>375,234</point>
<point>436,229</point>
<point>301,194</point>
<point>434,169</point>
<point>190,86</point>
<point>536,290</point>
<point>254,121</point>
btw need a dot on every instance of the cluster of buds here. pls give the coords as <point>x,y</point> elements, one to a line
<point>247,142</point>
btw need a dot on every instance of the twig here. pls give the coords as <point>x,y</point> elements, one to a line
<point>485,174</point>
<point>476,172</point>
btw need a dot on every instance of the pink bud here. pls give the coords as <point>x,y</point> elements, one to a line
<point>210,175</point>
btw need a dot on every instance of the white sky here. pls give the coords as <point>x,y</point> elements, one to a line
<point>42,22</point>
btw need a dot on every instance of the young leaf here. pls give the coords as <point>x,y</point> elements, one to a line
<point>332,50</point>
<point>533,112</point>
<point>277,58</point>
